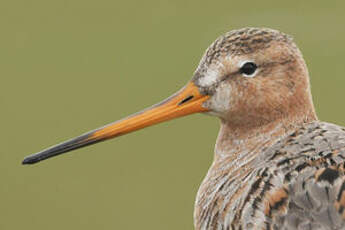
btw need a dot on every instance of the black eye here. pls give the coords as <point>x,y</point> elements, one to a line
<point>248,68</point>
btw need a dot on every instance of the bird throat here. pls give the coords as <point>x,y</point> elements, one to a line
<point>243,144</point>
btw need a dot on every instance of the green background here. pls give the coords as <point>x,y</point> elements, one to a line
<point>70,66</point>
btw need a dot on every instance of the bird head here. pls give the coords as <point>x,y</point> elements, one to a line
<point>247,77</point>
<point>254,76</point>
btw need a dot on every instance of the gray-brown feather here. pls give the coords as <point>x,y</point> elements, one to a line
<point>276,166</point>
<point>312,162</point>
<point>296,183</point>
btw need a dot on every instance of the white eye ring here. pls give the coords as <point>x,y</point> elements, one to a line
<point>248,69</point>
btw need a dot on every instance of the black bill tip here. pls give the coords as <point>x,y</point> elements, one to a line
<point>64,147</point>
<point>30,160</point>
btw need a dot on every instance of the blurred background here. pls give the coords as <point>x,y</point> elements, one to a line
<point>69,66</point>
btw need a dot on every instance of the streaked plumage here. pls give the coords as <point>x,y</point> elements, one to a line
<point>296,183</point>
<point>276,166</point>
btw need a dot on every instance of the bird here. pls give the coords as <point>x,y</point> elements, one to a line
<point>275,164</point>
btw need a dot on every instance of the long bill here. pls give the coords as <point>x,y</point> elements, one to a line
<point>187,101</point>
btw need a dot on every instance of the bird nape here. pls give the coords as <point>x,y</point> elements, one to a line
<point>276,166</point>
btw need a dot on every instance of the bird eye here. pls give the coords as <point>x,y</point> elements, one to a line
<point>248,68</point>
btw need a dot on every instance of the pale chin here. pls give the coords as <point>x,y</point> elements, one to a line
<point>219,103</point>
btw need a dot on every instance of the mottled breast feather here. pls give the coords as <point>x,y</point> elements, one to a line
<point>297,183</point>
<point>311,161</point>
